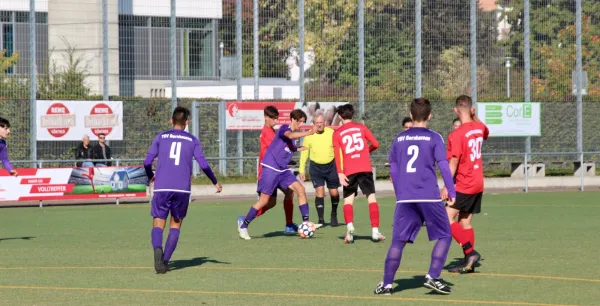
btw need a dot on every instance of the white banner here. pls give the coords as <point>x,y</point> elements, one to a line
<point>511,119</point>
<point>71,120</point>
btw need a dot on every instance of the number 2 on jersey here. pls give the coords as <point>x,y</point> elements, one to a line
<point>475,145</point>
<point>414,152</point>
<point>175,152</point>
<point>353,142</point>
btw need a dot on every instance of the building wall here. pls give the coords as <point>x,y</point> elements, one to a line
<point>229,92</point>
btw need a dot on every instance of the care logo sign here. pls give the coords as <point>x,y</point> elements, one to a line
<point>71,120</point>
<point>511,119</point>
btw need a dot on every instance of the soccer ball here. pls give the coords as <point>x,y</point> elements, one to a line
<point>306,230</point>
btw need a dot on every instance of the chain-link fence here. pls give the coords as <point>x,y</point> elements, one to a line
<point>378,55</point>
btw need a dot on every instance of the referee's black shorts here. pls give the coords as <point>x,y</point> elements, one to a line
<point>324,173</point>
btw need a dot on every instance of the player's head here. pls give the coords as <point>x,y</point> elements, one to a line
<point>180,117</point>
<point>86,140</point>
<point>271,115</point>
<point>4,128</point>
<point>407,123</point>
<point>101,137</point>
<point>297,117</point>
<point>464,107</point>
<point>346,111</point>
<point>456,123</point>
<point>319,122</point>
<point>420,110</point>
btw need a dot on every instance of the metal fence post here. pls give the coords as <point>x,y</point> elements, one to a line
<point>255,50</point>
<point>527,63</point>
<point>222,139</point>
<point>579,85</point>
<point>105,50</point>
<point>473,49</point>
<point>238,45</point>
<point>301,48</point>
<point>361,59</point>
<point>581,172</point>
<point>526,172</point>
<point>418,60</point>
<point>195,132</point>
<point>32,84</point>
<point>173,54</point>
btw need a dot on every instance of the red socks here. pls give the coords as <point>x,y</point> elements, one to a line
<point>374,214</point>
<point>348,213</point>
<point>465,237</point>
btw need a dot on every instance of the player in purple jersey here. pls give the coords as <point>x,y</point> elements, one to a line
<point>4,132</point>
<point>275,171</point>
<point>176,150</point>
<point>413,156</point>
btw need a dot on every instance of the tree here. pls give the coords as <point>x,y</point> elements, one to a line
<point>66,81</point>
<point>9,86</point>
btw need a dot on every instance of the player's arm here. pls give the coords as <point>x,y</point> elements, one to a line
<point>5,162</point>
<point>393,160</point>
<point>337,153</point>
<point>152,153</point>
<point>199,156</point>
<point>304,155</point>
<point>295,135</point>
<point>454,152</point>
<point>442,161</point>
<point>373,143</point>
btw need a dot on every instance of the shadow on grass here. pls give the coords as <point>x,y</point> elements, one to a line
<point>194,262</point>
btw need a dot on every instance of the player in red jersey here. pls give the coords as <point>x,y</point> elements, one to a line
<point>266,137</point>
<point>464,153</point>
<point>353,162</point>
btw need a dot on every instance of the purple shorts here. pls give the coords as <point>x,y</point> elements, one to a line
<point>270,180</point>
<point>409,217</point>
<point>170,201</point>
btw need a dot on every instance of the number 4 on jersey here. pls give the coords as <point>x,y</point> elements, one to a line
<point>175,152</point>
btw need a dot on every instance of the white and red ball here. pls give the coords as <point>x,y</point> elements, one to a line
<point>306,229</point>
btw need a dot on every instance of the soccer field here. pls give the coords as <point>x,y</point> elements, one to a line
<point>537,249</point>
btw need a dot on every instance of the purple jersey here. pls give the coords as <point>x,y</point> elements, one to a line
<point>280,151</point>
<point>4,156</point>
<point>413,156</point>
<point>176,150</point>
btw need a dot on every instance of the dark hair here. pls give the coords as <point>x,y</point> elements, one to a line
<point>271,111</point>
<point>298,114</point>
<point>455,120</point>
<point>101,134</point>
<point>406,120</point>
<point>180,115</point>
<point>464,101</point>
<point>346,111</point>
<point>4,122</point>
<point>420,109</point>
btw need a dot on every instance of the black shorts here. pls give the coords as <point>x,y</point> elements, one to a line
<point>324,173</point>
<point>468,203</point>
<point>364,180</point>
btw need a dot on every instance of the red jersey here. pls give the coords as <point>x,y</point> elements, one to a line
<point>350,148</point>
<point>465,143</point>
<point>266,137</point>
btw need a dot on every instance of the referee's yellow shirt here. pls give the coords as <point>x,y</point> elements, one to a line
<point>320,148</point>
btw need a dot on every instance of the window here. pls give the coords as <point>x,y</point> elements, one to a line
<point>199,53</point>
<point>8,42</point>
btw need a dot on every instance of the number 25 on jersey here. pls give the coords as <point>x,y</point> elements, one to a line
<point>475,146</point>
<point>354,142</point>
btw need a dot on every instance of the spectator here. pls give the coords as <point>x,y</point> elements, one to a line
<point>84,151</point>
<point>102,151</point>
<point>407,123</point>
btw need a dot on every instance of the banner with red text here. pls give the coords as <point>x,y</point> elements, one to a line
<point>249,115</point>
<point>73,183</point>
<point>71,120</point>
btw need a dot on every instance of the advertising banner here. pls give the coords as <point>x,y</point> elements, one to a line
<point>73,183</point>
<point>250,116</point>
<point>71,120</point>
<point>511,119</point>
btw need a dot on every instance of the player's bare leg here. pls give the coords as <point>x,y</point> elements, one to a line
<point>349,218</point>
<point>288,208</point>
<point>320,203</point>
<point>158,226</point>
<point>298,188</point>
<point>374,215</point>
<point>263,201</point>
<point>172,239</point>
<point>335,200</point>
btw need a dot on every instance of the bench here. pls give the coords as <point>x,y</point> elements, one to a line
<point>534,169</point>
<point>589,168</point>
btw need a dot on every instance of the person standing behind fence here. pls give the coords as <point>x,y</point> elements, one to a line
<point>4,132</point>
<point>319,147</point>
<point>84,151</point>
<point>102,151</point>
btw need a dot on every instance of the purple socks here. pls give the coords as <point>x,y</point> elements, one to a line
<point>157,237</point>
<point>304,212</point>
<point>249,217</point>
<point>438,256</point>
<point>171,243</point>
<point>392,261</point>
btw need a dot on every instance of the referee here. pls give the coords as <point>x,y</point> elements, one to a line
<point>322,167</point>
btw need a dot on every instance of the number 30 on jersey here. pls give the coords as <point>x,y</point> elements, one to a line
<point>475,145</point>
